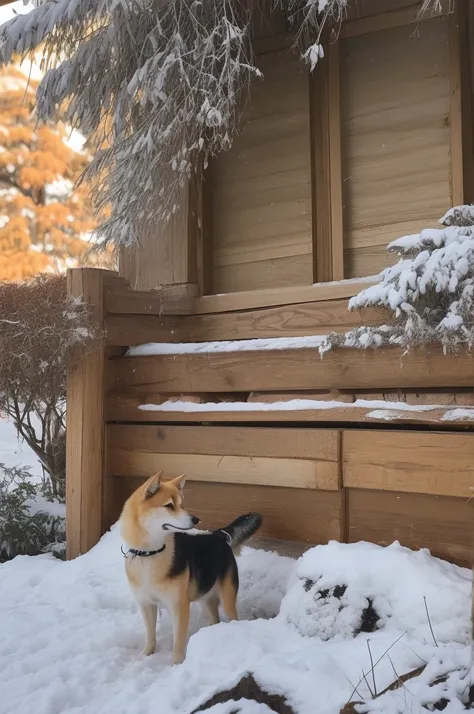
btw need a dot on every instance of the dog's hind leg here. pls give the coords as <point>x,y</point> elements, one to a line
<point>180,615</point>
<point>211,603</point>
<point>227,589</point>
<point>149,613</point>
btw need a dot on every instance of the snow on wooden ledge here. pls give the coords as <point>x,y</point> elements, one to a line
<point>290,405</point>
<point>272,343</point>
<point>362,410</point>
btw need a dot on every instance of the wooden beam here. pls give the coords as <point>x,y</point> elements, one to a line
<point>384,21</point>
<point>271,297</point>
<point>262,471</point>
<point>288,370</point>
<point>205,256</point>
<point>441,524</point>
<point>464,13</point>
<point>314,444</point>
<point>165,258</point>
<point>85,425</point>
<point>456,122</point>
<point>413,462</point>
<point>317,318</point>
<point>320,171</point>
<point>335,175</point>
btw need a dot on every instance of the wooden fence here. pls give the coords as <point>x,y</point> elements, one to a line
<point>353,470</point>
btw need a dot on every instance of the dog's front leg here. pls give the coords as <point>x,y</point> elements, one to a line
<point>180,614</point>
<point>149,613</point>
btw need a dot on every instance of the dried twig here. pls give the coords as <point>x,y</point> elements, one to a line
<point>429,622</point>
<point>372,667</point>
<point>364,676</point>
<point>399,679</point>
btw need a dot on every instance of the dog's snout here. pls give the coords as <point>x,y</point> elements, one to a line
<point>195,520</point>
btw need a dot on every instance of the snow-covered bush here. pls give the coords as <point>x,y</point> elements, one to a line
<point>39,326</point>
<point>430,291</point>
<point>25,529</point>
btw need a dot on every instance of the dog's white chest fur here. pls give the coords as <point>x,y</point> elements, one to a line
<point>146,577</point>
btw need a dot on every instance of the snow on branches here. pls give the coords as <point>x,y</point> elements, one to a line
<point>430,291</point>
<point>155,84</point>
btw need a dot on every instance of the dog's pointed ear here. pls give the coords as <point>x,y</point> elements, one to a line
<point>151,486</point>
<point>179,481</point>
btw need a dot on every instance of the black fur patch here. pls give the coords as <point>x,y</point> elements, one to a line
<point>208,557</point>
<point>240,530</point>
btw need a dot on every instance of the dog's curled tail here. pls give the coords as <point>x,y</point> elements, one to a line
<point>241,529</point>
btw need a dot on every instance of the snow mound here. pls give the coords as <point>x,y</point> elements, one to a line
<point>342,590</point>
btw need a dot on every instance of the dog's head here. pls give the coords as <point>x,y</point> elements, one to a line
<point>156,508</point>
<point>160,505</point>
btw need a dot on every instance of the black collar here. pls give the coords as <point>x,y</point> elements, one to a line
<point>141,553</point>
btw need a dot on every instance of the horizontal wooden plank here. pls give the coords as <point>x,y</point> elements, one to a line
<point>262,471</point>
<point>267,297</point>
<point>318,444</point>
<point>316,318</point>
<point>125,408</point>
<point>320,396</point>
<point>414,462</point>
<point>289,369</point>
<point>368,8</point>
<point>439,523</point>
<point>292,514</point>
<point>383,21</point>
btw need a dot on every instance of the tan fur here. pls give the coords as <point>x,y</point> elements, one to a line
<point>228,597</point>
<point>148,576</point>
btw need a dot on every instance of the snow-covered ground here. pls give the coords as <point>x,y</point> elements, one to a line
<point>71,635</point>
<point>14,451</point>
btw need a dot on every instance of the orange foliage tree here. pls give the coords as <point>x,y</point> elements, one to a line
<point>42,216</point>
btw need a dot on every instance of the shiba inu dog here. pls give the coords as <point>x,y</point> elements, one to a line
<point>167,567</point>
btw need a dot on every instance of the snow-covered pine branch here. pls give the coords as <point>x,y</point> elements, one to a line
<point>155,84</point>
<point>430,291</point>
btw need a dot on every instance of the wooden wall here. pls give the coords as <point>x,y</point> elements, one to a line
<point>328,166</point>
<point>311,485</point>
<point>395,124</point>
<point>315,474</point>
<point>261,188</point>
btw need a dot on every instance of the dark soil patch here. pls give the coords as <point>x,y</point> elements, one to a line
<point>339,591</point>
<point>248,688</point>
<point>369,618</point>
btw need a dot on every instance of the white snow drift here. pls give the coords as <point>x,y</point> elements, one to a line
<point>71,635</point>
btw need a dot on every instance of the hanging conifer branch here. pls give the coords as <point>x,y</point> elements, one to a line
<point>155,85</point>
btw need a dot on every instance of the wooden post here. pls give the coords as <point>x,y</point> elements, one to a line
<point>85,425</point>
<point>168,257</point>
